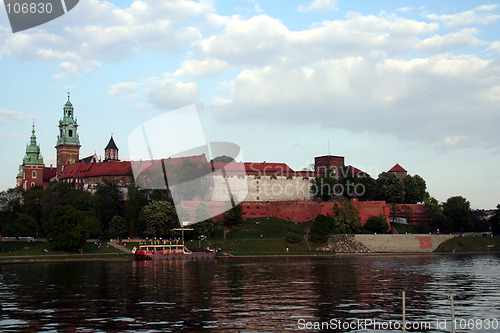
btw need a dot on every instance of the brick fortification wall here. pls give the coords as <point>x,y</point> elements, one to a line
<point>301,211</point>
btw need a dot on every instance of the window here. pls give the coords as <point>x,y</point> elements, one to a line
<point>33,174</point>
<point>70,133</point>
<point>32,184</point>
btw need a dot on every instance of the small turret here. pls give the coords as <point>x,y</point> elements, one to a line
<point>111,151</point>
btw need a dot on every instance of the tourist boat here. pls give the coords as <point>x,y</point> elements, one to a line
<point>171,252</point>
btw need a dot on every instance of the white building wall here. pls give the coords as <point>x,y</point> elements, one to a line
<point>263,188</point>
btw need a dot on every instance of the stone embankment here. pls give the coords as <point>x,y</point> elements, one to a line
<point>346,244</point>
<point>408,243</point>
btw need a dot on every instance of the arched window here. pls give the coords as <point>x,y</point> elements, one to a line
<point>33,174</point>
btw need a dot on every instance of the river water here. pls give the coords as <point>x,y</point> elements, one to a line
<point>345,293</point>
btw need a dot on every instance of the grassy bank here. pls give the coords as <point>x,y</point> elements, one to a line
<point>470,244</point>
<point>257,237</point>
<point>40,251</point>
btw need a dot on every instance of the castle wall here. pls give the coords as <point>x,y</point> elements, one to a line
<point>263,188</point>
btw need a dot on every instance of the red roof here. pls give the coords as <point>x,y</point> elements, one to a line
<point>103,169</point>
<point>157,165</point>
<point>48,173</point>
<point>253,168</point>
<point>397,168</point>
<point>355,170</point>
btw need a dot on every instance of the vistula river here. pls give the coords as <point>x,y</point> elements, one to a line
<point>344,293</point>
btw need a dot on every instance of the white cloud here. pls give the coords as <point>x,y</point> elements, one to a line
<point>455,140</point>
<point>74,68</point>
<point>318,6</point>
<point>478,15</point>
<point>174,94</point>
<point>126,90</point>
<point>7,115</point>
<point>202,68</point>
<point>426,99</point>
<point>263,40</point>
<point>98,31</point>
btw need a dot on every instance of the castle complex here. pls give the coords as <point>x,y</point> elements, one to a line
<point>262,181</point>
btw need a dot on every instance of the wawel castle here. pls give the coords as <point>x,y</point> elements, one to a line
<point>262,181</point>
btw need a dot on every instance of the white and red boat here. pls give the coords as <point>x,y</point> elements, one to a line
<point>171,252</point>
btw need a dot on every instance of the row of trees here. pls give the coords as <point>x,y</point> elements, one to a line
<point>343,183</point>
<point>69,216</point>
<point>456,215</point>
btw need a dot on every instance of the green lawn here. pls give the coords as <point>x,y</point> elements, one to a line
<point>406,228</point>
<point>470,244</point>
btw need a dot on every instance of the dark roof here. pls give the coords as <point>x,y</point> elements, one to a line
<point>111,144</point>
<point>87,159</point>
<point>397,168</point>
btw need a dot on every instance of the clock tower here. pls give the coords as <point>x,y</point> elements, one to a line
<point>68,141</point>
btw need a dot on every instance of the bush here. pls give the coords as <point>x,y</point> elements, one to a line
<point>292,237</point>
<point>377,224</point>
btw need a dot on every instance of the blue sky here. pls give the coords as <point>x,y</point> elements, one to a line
<point>386,82</point>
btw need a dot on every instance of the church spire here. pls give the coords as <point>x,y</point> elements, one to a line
<point>68,141</point>
<point>33,156</point>
<point>68,127</point>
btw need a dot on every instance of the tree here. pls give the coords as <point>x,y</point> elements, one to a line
<point>65,229</point>
<point>206,224</point>
<point>222,159</point>
<point>436,221</point>
<point>22,225</point>
<point>136,200</point>
<point>10,207</point>
<point>355,185</point>
<point>377,224</point>
<point>457,209</point>
<point>117,227</point>
<point>390,188</point>
<point>106,203</point>
<point>159,218</point>
<point>234,215</point>
<point>323,187</point>
<point>495,222</point>
<point>415,189</point>
<point>323,226</point>
<point>92,224</point>
<point>346,218</point>
<point>32,205</point>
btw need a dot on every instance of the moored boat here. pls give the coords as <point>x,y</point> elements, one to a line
<point>171,252</point>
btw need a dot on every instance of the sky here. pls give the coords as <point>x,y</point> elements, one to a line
<point>378,82</point>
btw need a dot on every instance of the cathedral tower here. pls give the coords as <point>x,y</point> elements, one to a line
<point>68,141</point>
<point>32,168</point>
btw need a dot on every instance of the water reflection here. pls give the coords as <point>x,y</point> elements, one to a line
<point>264,294</point>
